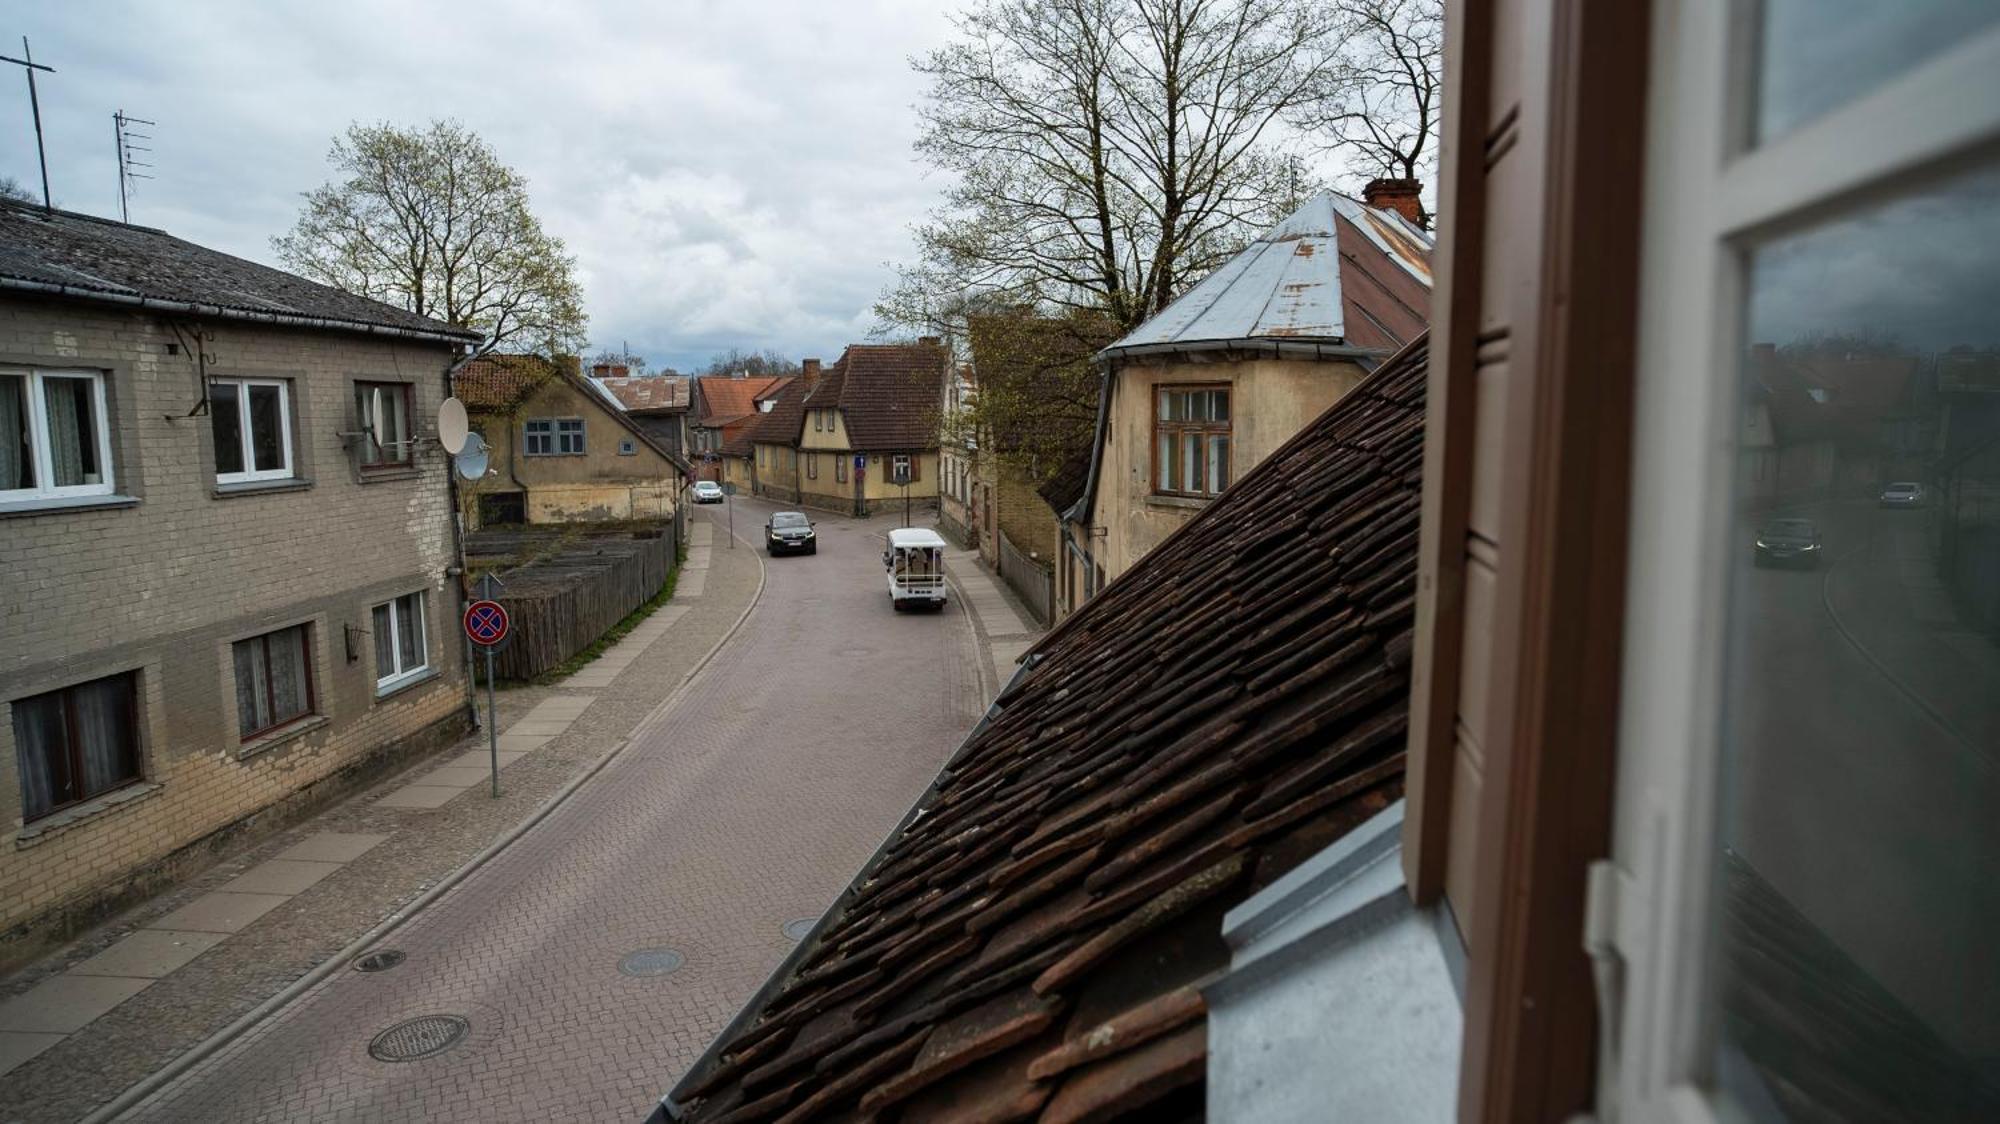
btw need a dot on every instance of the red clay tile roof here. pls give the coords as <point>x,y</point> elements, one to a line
<point>661,392</point>
<point>888,394</point>
<point>1032,939</point>
<point>497,382</point>
<point>724,399</point>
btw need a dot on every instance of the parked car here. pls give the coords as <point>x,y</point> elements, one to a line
<point>1788,542</point>
<point>1904,494</point>
<point>790,532</point>
<point>707,491</point>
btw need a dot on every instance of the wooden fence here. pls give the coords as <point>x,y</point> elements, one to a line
<point>572,590</point>
<point>1034,580</point>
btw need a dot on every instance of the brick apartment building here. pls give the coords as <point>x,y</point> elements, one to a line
<point>226,599</point>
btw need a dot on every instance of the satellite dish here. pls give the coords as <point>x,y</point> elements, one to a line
<point>375,427</point>
<point>452,426</point>
<point>471,458</point>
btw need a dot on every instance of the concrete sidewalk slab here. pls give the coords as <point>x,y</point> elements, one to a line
<point>520,743</point>
<point>66,1004</point>
<point>18,1046</point>
<point>457,776</point>
<point>149,953</point>
<point>332,847</point>
<point>219,912</point>
<point>279,876</point>
<point>481,758</point>
<point>419,796</point>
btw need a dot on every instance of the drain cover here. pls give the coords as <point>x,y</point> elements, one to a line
<point>797,930</point>
<point>651,962</point>
<point>420,1037</point>
<point>380,961</point>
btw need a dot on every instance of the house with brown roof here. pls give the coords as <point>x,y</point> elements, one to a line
<point>1047,935</point>
<point>720,410</point>
<point>561,450</point>
<point>869,434</point>
<point>773,438</point>
<point>1203,391</point>
<point>659,404</point>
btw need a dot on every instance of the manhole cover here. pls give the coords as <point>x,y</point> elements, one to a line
<point>380,961</point>
<point>651,962</point>
<point>800,929</point>
<point>416,1038</point>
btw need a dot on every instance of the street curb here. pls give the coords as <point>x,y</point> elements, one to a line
<point>207,1047</point>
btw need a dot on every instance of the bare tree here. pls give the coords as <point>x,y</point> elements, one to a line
<point>635,365</point>
<point>10,188</point>
<point>1382,105</point>
<point>1105,151</point>
<point>431,220</point>
<point>750,362</point>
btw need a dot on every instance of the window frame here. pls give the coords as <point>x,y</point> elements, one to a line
<point>1710,198</point>
<point>250,473</point>
<point>72,744</point>
<point>387,684</point>
<point>371,440</point>
<point>311,710</point>
<point>840,469</point>
<point>907,463</point>
<point>1207,429</point>
<point>570,437</point>
<point>39,452</point>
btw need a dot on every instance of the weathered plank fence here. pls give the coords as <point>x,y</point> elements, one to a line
<point>571,591</point>
<point>1033,579</point>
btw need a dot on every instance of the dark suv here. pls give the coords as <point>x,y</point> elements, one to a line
<point>790,532</point>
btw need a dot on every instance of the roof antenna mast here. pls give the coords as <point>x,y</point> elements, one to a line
<point>127,136</point>
<point>27,62</point>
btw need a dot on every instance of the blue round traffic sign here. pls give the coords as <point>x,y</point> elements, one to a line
<point>486,622</point>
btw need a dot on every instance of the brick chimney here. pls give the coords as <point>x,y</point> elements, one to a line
<point>809,371</point>
<point>610,371</point>
<point>1402,196</point>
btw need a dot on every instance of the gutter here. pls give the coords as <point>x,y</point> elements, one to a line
<point>452,336</point>
<point>1264,347</point>
<point>672,1107</point>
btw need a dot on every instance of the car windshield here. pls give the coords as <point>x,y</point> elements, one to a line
<point>786,519</point>
<point>1902,487</point>
<point>1799,527</point>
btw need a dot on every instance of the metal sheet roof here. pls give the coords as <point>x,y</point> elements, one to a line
<point>1286,284</point>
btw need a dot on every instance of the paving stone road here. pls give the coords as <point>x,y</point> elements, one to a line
<point>746,805</point>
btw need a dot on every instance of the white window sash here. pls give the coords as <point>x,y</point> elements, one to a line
<point>246,437</point>
<point>397,673</point>
<point>41,457</point>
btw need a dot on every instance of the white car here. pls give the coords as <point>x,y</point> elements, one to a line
<point>1905,494</point>
<point>707,491</point>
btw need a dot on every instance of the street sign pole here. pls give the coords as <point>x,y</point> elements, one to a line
<point>487,624</point>
<point>492,724</point>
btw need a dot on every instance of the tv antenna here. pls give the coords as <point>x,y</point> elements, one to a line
<point>128,149</point>
<point>27,62</point>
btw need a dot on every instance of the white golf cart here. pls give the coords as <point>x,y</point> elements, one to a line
<point>915,561</point>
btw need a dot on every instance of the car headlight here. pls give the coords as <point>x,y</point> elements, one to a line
<point>1762,545</point>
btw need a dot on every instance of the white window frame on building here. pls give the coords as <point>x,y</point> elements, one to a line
<point>246,433</point>
<point>388,620</point>
<point>391,448</point>
<point>1711,197</point>
<point>39,456</point>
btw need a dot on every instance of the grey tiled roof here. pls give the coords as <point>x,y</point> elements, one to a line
<point>89,258</point>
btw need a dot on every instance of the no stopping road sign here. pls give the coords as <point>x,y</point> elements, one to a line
<point>486,622</point>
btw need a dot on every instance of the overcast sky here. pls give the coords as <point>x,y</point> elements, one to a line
<point>728,174</point>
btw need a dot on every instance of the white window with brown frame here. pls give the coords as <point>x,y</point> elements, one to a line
<point>1191,440</point>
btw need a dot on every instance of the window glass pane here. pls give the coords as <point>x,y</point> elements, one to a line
<point>227,421</point>
<point>72,431</point>
<point>410,631</point>
<point>1191,462</point>
<point>41,749</point>
<point>1817,55</point>
<point>17,454</point>
<point>290,695</point>
<point>253,712</point>
<point>1218,462</point>
<point>1165,459</point>
<point>267,428</point>
<point>385,643</point>
<point>1218,405</point>
<point>106,742</point>
<point>1860,817</point>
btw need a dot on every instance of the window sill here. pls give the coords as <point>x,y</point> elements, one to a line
<point>57,504</point>
<point>377,475</point>
<point>1179,501</point>
<point>55,823</point>
<point>399,686</point>
<point>260,487</point>
<point>272,739</point>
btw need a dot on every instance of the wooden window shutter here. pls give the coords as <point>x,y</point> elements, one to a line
<point>916,467</point>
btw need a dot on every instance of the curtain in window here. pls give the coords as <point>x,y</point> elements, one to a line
<point>72,452</point>
<point>385,644</point>
<point>287,655</point>
<point>410,630</point>
<point>16,463</point>
<point>41,749</point>
<point>102,711</point>
<point>252,714</point>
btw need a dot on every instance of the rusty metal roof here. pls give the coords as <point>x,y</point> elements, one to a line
<point>654,392</point>
<point>1032,940</point>
<point>1301,280</point>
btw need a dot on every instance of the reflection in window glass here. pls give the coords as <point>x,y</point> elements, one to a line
<point>17,450</point>
<point>1817,55</point>
<point>228,424</point>
<point>1857,890</point>
<point>267,428</point>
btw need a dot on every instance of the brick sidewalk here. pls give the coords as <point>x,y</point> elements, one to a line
<point>338,895</point>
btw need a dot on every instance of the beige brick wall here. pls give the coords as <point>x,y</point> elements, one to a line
<point>164,586</point>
